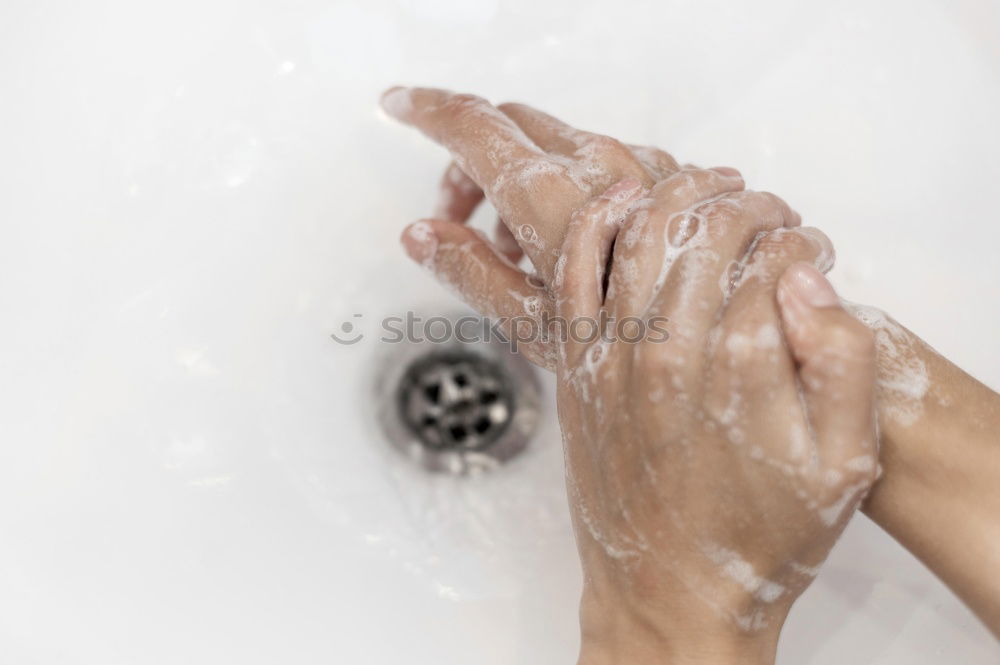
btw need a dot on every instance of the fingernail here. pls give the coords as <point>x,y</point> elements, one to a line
<point>727,171</point>
<point>420,242</point>
<point>824,261</point>
<point>810,286</point>
<point>396,102</point>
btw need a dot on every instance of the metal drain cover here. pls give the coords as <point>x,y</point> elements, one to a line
<point>457,407</point>
<point>455,400</point>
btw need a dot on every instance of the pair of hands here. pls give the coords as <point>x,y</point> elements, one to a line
<point>709,475</point>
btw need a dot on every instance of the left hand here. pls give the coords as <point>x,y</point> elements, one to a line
<point>535,169</point>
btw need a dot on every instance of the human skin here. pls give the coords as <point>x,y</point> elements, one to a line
<point>939,491</point>
<point>705,491</point>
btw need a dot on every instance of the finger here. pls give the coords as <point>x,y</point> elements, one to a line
<point>578,285</point>
<point>599,160</point>
<point>486,144</point>
<point>796,219</point>
<point>530,191</point>
<point>459,195</point>
<point>547,132</point>
<point>505,242</point>
<point>707,244</point>
<point>835,357</point>
<point>461,259</point>
<point>459,198</point>
<point>755,373</point>
<point>644,238</point>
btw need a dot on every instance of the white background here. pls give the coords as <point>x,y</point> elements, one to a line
<point>193,195</point>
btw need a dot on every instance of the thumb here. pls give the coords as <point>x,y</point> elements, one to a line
<point>835,358</point>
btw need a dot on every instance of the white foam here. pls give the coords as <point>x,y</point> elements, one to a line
<point>737,569</point>
<point>903,377</point>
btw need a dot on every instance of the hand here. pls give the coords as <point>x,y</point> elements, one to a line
<point>514,152</point>
<point>535,170</point>
<point>705,488</point>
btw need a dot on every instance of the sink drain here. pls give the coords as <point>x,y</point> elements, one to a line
<point>457,407</point>
<point>456,401</point>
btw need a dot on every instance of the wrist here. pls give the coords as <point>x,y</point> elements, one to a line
<point>938,494</point>
<point>950,451</point>
<point>620,633</point>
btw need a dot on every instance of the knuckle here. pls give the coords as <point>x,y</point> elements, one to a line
<point>768,208</point>
<point>702,181</point>
<point>513,107</point>
<point>613,153</point>
<point>786,242</point>
<point>709,179</point>
<point>605,144</point>
<point>724,211</point>
<point>772,252</point>
<point>655,159</point>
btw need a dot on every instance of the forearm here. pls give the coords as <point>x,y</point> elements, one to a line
<point>939,494</point>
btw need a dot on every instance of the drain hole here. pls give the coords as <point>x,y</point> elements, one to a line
<point>433,392</point>
<point>454,400</point>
